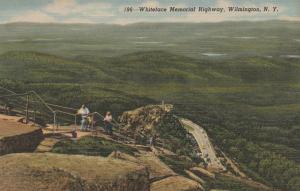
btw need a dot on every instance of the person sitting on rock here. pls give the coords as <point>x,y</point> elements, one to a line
<point>84,112</point>
<point>108,123</point>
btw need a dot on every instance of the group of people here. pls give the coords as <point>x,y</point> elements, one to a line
<point>87,123</point>
<point>87,120</point>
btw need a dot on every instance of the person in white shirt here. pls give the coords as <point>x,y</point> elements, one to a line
<point>108,123</point>
<point>84,112</point>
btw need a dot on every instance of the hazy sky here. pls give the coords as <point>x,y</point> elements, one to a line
<point>112,11</point>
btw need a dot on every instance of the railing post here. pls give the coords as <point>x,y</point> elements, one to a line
<point>93,121</point>
<point>6,109</point>
<point>54,120</point>
<point>75,122</point>
<point>26,112</point>
<point>34,116</point>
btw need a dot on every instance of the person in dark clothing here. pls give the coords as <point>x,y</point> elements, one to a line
<point>108,123</point>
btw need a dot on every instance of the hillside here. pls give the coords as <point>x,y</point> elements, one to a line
<point>227,96</point>
<point>189,39</point>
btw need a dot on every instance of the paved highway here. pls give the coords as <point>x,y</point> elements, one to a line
<point>208,151</point>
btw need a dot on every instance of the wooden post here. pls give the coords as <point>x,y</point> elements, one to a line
<point>26,112</point>
<point>34,116</point>
<point>92,121</point>
<point>54,121</point>
<point>75,122</point>
<point>5,109</point>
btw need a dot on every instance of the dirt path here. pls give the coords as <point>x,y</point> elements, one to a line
<point>208,151</point>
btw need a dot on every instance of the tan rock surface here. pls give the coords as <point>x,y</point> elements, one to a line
<point>175,183</point>
<point>123,156</point>
<point>194,177</point>
<point>202,172</point>
<point>10,128</point>
<point>30,172</point>
<point>156,167</point>
<point>18,137</point>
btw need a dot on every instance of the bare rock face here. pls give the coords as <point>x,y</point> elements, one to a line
<point>202,172</point>
<point>176,183</point>
<point>142,121</point>
<point>30,172</point>
<point>17,137</point>
<point>157,169</point>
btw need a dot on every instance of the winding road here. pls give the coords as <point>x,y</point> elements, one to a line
<point>208,151</point>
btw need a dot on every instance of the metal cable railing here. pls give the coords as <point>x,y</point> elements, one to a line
<point>55,110</point>
<point>38,100</point>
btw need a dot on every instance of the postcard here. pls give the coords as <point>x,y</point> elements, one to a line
<point>149,95</point>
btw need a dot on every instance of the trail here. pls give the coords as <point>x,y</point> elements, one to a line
<point>208,151</point>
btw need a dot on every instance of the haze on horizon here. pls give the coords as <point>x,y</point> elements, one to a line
<point>112,11</point>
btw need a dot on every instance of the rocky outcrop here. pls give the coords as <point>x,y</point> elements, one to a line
<point>176,183</point>
<point>28,172</point>
<point>142,121</point>
<point>202,172</point>
<point>157,169</point>
<point>194,177</point>
<point>17,137</point>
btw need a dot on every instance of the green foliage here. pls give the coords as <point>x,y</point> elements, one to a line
<point>175,137</point>
<point>222,182</point>
<point>294,184</point>
<point>274,168</point>
<point>92,146</point>
<point>189,39</point>
<point>179,165</point>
